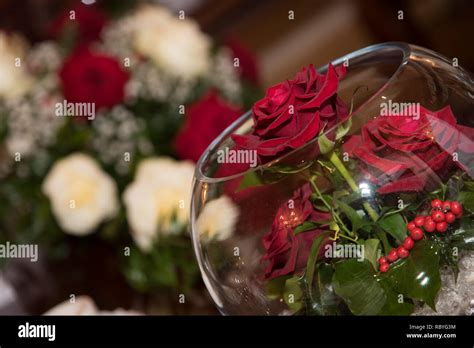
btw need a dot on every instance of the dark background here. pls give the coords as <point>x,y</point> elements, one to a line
<point>321,30</point>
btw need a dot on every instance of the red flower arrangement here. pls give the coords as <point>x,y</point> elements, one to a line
<point>396,154</point>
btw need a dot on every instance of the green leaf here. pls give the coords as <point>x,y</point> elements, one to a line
<point>325,145</point>
<point>308,226</point>
<point>356,220</point>
<point>344,128</point>
<point>371,251</point>
<point>355,282</point>
<point>395,304</point>
<point>250,179</point>
<point>293,295</point>
<point>313,255</point>
<point>275,287</point>
<point>323,300</point>
<point>469,185</point>
<point>394,225</point>
<point>417,276</point>
<point>467,200</point>
<point>463,238</point>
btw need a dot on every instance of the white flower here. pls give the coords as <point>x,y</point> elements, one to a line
<point>217,220</point>
<point>177,46</point>
<point>81,194</point>
<point>82,305</point>
<point>158,200</point>
<point>14,79</point>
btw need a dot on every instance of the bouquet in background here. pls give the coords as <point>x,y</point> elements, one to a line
<point>100,129</point>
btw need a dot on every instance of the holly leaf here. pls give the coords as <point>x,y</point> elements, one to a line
<point>417,276</point>
<point>463,237</point>
<point>394,225</point>
<point>371,251</point>
<point>355,282</point>
<point>395,304</point>
<point>467,200</point>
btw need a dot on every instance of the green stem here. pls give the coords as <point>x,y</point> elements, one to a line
<point>348,238</point>
<point>333,213</point>
<point>345,174</point>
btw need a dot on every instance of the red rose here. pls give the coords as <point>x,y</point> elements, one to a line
<point>93,78</point>
<point>205,120</point>
<point>87,23</point>
<point>399,153</point>
<point>294,112</point>
<point>285,251</point>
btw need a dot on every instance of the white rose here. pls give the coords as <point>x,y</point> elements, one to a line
<point>81,194</point>
<point>158,200</point>
<point>14,79</point>
<point>178,46</point>
<point>82,305</point>
<point>217,220</point>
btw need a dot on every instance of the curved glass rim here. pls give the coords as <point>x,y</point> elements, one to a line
<point>404,48</point>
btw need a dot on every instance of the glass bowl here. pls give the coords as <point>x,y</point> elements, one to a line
<point>261,252</point>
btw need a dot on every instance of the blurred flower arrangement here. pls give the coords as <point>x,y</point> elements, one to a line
<point>99,129</point>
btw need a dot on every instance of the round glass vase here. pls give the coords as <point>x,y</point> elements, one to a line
<point>235,204</point>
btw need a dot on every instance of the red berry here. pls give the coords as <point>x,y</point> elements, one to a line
<point>402,252</point>
<point>446,205</point>
<point>441,226</point>
<point>450,217</point>
<point>429,225</point>
<point>392,255</point>
<point>438,216</point>
<point>458,216</point>
<point>382,260</point>
<point>456,208</point>
<point>384,267</point>
<point>419,221</point>
<point>411,226</point>
<point>436,203</point>
<point>416,233</point>
<point>408,243</point>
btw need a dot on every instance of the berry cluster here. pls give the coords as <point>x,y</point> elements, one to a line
<point>442,214</point>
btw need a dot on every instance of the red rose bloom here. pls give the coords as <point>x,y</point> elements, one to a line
<point>294,112</point>
<point>399,153</point>
<point>93,78</point>
<point>87,24</point>
<point>205,120</point>
<point>285,251</point>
